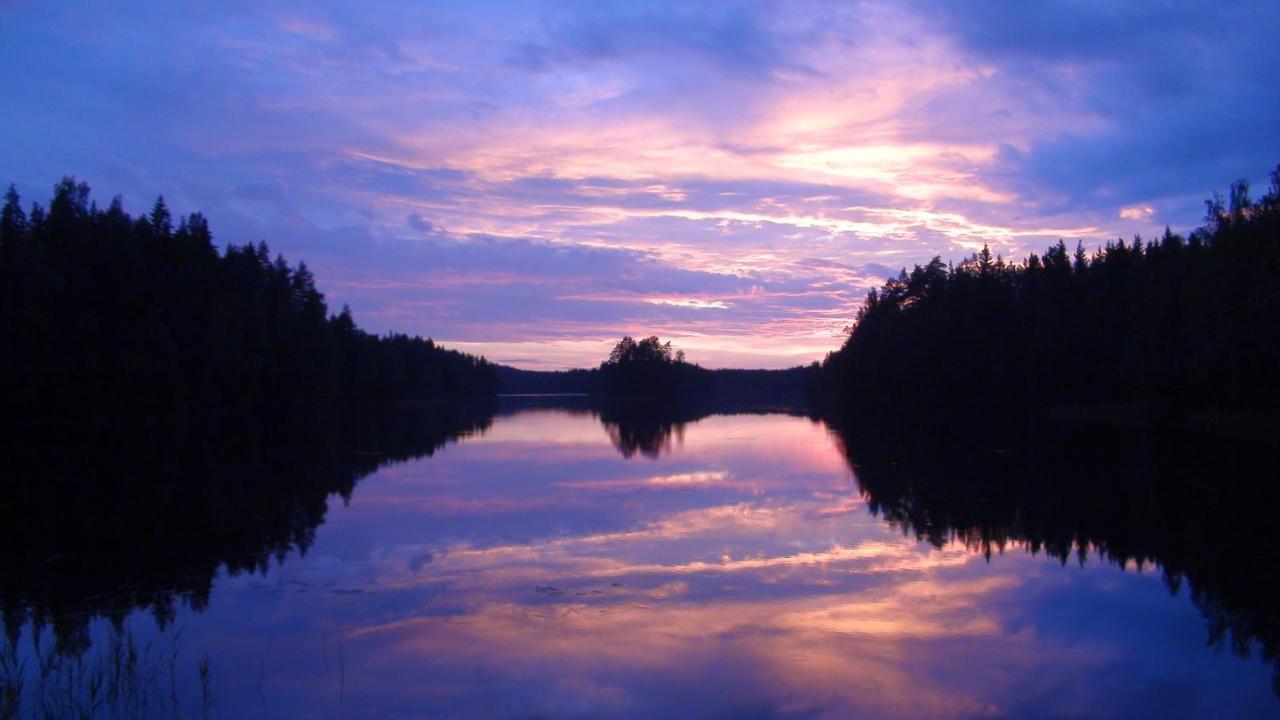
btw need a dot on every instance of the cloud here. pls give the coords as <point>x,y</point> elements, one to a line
<point>690,303</point>
<point>1137,212</point>
<point>735,176</point>
<point>1194,109</point>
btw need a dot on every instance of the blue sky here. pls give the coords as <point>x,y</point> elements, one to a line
<point>532,180</point>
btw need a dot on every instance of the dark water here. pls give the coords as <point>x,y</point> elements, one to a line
<point>553,562</point>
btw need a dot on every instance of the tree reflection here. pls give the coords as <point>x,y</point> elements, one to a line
<point>1200,509</point>
<point>650,429</point>
<point>146,519</point>
<point>646,429</point>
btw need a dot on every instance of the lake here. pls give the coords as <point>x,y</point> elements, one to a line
<point>560,561</point>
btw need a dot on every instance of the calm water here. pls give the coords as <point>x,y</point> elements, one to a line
<point>556,565</point>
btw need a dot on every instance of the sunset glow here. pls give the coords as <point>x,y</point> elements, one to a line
<point>530,180</point>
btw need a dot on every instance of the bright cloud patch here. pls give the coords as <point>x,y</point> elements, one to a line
<point>1137,212</point>
<point>690,303</point>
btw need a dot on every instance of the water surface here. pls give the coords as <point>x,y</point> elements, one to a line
<point>564,563</point>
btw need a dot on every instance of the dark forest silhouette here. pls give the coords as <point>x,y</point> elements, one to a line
<point>1172,324</point>
<point>109,319</point>
<point>650,368</point>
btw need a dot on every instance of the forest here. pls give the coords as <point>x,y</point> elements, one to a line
<point>1169,324</point>
<point>110,320</point>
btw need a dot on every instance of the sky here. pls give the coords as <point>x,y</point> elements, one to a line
<point>533,180</point>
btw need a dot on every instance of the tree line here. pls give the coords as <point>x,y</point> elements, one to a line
<point>1169,323</point>
<point>107,317</point>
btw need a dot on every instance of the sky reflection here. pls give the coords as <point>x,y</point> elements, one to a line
<point>532,571</point>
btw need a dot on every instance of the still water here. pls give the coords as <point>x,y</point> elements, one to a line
<point>554,563</point>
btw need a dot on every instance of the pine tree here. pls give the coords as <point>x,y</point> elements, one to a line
<point>161,220</point>
<point>13,229</point>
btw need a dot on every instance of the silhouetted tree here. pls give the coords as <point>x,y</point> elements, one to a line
<point>650,368</point>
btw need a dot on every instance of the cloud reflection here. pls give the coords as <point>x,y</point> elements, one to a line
<point>731,577</point>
